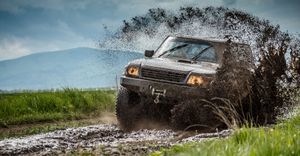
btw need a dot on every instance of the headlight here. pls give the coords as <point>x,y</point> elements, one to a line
<point>133,71</point>
<point>197,80</point>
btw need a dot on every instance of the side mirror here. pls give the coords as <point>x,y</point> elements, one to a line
<point>149,53</point>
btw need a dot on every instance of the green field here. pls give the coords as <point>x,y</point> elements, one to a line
<point>48,106</point>
<point>282,139</point>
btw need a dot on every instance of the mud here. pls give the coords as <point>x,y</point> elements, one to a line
<point>101,139</point>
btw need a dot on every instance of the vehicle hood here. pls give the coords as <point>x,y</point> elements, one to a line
<point>174,65</point>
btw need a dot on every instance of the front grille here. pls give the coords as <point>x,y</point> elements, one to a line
<point>163,75</point>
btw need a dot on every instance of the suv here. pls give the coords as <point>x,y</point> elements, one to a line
<point>180,70</point>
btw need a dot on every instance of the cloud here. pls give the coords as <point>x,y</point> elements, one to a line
<point>229,2</point>
<point>10,6</point>
<point>29,26</point>
<point>13,47</point>
<point>20,6</point>
<point>131,6</point>
<point>138,6</point>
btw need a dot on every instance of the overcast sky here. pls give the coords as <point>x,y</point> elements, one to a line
<point>29,26</point>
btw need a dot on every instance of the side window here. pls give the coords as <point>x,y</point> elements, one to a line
<point>208,55</point>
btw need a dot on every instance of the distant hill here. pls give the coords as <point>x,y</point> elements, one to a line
<point>76,68</point>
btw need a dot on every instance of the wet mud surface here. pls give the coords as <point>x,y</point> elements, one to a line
<point>104,139</point>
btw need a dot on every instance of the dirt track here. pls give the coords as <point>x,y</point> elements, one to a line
<point>101,139</point>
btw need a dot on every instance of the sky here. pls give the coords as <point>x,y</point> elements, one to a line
<point>31,26</point>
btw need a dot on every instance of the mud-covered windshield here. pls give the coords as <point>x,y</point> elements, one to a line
<point>185,49</point>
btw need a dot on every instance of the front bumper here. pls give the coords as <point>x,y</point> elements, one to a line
<point>146,87</point>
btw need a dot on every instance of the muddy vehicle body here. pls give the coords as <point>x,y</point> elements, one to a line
<point>182,69</point>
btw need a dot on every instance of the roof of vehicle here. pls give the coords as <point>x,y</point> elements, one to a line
<point>207,39</point>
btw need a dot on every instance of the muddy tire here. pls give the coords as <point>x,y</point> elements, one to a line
<point>194,115</point>
<point>128,108</point>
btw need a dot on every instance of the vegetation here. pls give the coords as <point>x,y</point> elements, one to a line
<point>282,139</point>
<point>33,107</point>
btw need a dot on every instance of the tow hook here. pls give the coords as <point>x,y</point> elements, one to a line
<point>158,93</point>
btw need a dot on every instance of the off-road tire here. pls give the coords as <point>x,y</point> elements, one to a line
<point>128,108</point>
<point>194,115</point>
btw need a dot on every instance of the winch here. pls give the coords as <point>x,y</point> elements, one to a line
<point>157,93</point>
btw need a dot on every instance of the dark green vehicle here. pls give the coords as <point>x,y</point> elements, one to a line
<point>180,70</point>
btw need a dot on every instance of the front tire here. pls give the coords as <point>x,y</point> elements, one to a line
<point>128,108</point>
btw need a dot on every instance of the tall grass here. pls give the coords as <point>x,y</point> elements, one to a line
<point>30,107</point>
<point>282,139</point>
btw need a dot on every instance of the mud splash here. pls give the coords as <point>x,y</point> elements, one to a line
<point>276,70</point>
<point>99,139</point>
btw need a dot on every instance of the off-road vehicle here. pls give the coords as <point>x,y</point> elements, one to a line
<point>180,72</point>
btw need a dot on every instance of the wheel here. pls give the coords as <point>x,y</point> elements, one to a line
<point>128,108</point>
<point>194,115</point>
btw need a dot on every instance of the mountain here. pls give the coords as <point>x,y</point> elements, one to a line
<point>74,68</point>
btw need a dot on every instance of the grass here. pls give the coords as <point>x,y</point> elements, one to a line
<point>47,106</point>
<point>282,139</point>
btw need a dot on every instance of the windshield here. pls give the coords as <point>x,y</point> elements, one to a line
<point>185,49</point>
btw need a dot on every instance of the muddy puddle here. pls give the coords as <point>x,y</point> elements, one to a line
<point>104,139</point>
